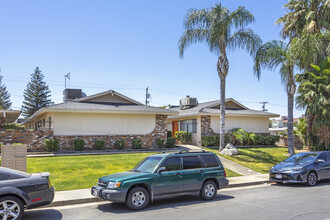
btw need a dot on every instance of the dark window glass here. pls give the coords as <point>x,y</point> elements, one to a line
<point>328,156</point>
<point>191,163</point>
<point>173,163</point>
<point>210,161</point>
<point>4,176</point>
<point>323,156</point>
<point>43,122</point>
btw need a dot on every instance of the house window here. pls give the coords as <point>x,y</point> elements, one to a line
<point>189,125</point>
<point>36,125</point>
<point>44,123</point>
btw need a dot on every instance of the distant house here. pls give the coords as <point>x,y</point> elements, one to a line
<point>9,116</point>
<point>108,115</point>
<point>280,125</point>
<point>204,118</point>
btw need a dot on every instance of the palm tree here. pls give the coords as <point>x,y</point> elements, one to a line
<point>313,95</point>
<point>300,130</point>
<point>221,30</point>
<point>305,16</point>
<point>275,54</point>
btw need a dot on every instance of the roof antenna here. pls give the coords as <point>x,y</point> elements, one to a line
<point>67,76</point>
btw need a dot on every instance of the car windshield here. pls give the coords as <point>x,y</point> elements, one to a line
<point>147,165</point>
<point>302,158</point>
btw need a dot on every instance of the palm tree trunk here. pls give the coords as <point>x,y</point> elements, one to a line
<point>222,112</point>
<point>290,125</point>
<point>222,68</point>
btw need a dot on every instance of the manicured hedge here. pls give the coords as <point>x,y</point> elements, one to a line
<point>241,137</point>
<point>120,144</point>
<point>170,142</point>
<point>100,144</point>
<point>160,142</point>
<point>137,144</point>
<point>78,144</point>
<point>51,145</point>
<point>183,136</point>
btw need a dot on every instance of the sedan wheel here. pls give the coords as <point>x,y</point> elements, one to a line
<point>311,179</point>
<point>11,208</point>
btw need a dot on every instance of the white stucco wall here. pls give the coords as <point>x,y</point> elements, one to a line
<point>250,124</point>
<point>102,124</point>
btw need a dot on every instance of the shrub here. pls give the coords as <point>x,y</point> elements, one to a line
<point>160,142</point>
<point>99,144</point>
<point>210,141</point>
<point>51,145</point>
<point>78,144</point>
<point>253,138</point>
<point>242,137</point>
<point>169,134</point>
<point>120,144</point>
<point>137,144</point>
<point>183,136</point>
<point>170,142</point>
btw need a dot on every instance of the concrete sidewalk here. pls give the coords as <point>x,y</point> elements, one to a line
<point>80,196</point>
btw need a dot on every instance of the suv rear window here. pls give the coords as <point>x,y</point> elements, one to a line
<point>210,161</point>
<point>191,162</point>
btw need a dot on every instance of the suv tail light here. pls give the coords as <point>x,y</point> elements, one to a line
<point>225,173</point>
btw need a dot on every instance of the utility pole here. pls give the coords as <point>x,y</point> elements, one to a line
<point>147,96</point>
<point>264,106</point>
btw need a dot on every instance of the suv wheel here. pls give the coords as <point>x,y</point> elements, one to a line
<point>11,208</point>
<point>209,190</point>
<point>311,179</point>
<point>137,198</point>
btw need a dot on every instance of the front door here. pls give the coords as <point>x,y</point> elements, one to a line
<point>169,181</point>
<point>175,127</point>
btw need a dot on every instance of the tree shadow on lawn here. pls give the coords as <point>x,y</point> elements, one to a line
<point>259,156</point>
<point>119,208</point>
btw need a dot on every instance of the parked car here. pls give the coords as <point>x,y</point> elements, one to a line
<point>164,175</point>
<point>307,167</point>
<point>19,190</point>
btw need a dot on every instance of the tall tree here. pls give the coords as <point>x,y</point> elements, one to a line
<point>221,30</point>
<point>4,96</point>
<point>36,94</point>
<point>305,16</point>
<point>272,55</point>
<point>313,96</point>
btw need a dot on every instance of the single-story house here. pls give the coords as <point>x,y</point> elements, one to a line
<point>108,115</point>
<point>204,118</point>
<point>9,116</point>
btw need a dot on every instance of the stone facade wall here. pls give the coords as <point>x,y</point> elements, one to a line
<point>32,138</point>
<point>35,139</point>
<point>206,125</point>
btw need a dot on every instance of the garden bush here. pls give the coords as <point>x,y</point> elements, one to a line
<point>78,144</point>
<point>210,140</point>
<point>169,134</point>
<point>100,144</point>
<point>183,136</point>
<point>170,142</point>
<point>120,144</point>
<point>137,144</point>
<point>160,142</point>
<point>51,145</point>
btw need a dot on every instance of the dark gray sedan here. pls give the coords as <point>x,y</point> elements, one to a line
<point>307,167</point>
<point>19,190</point>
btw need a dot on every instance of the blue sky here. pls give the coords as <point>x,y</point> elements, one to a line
<point>127,46</point>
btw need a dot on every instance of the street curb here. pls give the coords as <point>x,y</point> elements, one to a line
<point>92,200</point>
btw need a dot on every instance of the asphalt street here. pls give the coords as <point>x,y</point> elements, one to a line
<point>258,202</point>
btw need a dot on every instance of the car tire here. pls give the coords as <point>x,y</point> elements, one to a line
<point>311,179</point>
<point>137,198</point>
<point>12,207</point>
<point>209,190</point>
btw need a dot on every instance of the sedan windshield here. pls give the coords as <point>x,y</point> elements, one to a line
<point>302,158</point>
<point>147,165</point>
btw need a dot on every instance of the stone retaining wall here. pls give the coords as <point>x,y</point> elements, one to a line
<point>35,139</point>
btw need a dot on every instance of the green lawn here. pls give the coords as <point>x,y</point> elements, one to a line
<point>80,172</point>
<point>260,159</point>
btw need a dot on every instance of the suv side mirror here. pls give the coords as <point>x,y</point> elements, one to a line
<point>320,161</point>
<point>162,169</point>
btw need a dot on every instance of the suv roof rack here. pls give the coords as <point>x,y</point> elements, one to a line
<point>190,151</point>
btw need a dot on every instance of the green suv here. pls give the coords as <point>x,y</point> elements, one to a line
<point>164,175</point>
